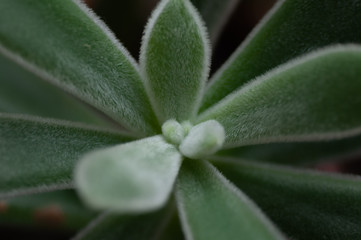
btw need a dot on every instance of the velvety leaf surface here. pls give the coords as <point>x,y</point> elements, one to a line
<point>175,59</point>
<point>215,14</point>
<point>202,140</point>
<point>304,204</point>
<point>305,154</point>
<point>23,92</point>
<point>128,227</point>
<point>39,155</point>
<point>316,97</point>
<point>128,178</point>
<point>58,210</point>
<point>210,207</point>
<point>63,42</point>
<point>292,28</point>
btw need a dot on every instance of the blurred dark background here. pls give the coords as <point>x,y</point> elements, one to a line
<point>128,18</point>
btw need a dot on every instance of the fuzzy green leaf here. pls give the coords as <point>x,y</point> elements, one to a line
<point>210,207</point>
<point>298,154</point>
<point>315,97</point>
<point>173,132</point>
<point>304,204</point>
<point>203,139</point>
<point>175,59</point>
<point>39,155</point>
<point>292,28</point>
<point>133,177</point>
<point>21,91</point>
<point>63,42</point>
<point>130,227</point>
<point>215,14</point>
<point>58,209</point>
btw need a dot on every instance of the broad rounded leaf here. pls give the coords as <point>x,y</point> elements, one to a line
<point>292,28</point>
<point>66,44</point>
<point>316,97</point>
<point>304,204</point>
<point>133,177</point>
<point>39,155</point>
<point>174,60</point>
<point>211,207</point>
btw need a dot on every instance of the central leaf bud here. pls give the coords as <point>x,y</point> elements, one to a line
<point>174,132</point>
<point>197,141</point>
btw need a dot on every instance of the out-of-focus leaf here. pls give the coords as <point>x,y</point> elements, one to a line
<point>175,60</point>
<point>23,92</point>
<point>316,97</point>
<point>215,14</point>
<point>292,28</point>
<point>304,204</point>
<point>211,207</point>
<point>39,155</point>
<point>66,44</point>
<point>58,210</point>
<point>128,227</point>
<point>129,178</point>
<point>172,229</point>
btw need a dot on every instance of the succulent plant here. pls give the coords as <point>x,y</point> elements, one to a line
<point>147,144</point>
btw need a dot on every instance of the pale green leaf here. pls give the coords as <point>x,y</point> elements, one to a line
<point>298,154</point>
<point>133,177</point>
<point>203,139</point>
<point>110,226</point>
<point>39,155</point>
<point>175,60</point>
<point>58,210</point>
<point>215,14</point>
<point>210,207</point>
<point>316,97</point>
<point>292,28</point>
<point>304,204</point>
<point>66,44</point>
<point>21,91</point>
<point>173,131</point>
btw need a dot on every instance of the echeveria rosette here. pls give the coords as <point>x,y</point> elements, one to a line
<point>313,97</point>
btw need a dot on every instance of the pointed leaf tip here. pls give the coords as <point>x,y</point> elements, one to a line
<point>175,60</point>
<point>132,177</point>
